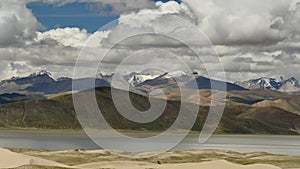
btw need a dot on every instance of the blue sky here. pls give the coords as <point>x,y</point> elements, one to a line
<point>69,15</point>
<point>72,15</point>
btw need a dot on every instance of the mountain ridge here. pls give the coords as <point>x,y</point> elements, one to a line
<point>42,83</point>
<point>290,85</point>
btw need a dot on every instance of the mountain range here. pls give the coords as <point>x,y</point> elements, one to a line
<point>290,85</point>
<point>42,84</point>
<point>263,105</point>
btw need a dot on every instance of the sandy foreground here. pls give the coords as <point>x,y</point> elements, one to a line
<point>10,159</point>
<point>217,164</point>
<point>194,159</point>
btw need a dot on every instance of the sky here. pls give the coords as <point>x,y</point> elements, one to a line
<point>250,39</point>
<point>77,14</point>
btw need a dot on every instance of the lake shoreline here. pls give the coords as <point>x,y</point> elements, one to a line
<point>146,132</point>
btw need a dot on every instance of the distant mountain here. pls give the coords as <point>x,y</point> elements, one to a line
<point>116,80</point>
<point>35,78</point>
<point>293,81</point>
<point>168,81</point>
<point>141,83</point>
<point>42,82</point>
<point>23,85</point>
<point>289,85</point>
<point>138,78</point>
<point>206,83</point>
<point>64,86</point>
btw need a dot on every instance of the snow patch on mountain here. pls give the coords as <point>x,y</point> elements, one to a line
<point>41,73</point>
<point>175,74</point>
<point>284,85</point>
<point>138,78</point>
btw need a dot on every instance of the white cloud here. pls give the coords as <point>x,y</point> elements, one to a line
<point>155,21</point>
<point>245,31</point>
<point>17,23</point>
<point>73,37</point>
<point>236,22</point>
<point>253,38</point>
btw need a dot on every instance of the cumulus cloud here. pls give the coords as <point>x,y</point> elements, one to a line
<point>170,18</point>
<point>236,22</point>
<point>252,38</point>
<point>17,22</point>
<point>162,28</point>
<point>60,47</point>
<point>73,37</point>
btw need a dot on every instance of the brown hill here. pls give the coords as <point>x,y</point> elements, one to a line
<point>59,113</point>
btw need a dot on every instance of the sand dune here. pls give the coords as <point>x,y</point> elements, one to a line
<point>10,159</point>
<point>219,164</point>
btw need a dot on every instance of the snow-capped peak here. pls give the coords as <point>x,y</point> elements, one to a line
<point>137,78</point>
<point>41,73</point>
<point>175,74</point>
<point>293,81</point>
<point>263,83</point>
<point>268,83</point>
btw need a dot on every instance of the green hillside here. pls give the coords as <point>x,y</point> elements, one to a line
<point>58,113</point>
